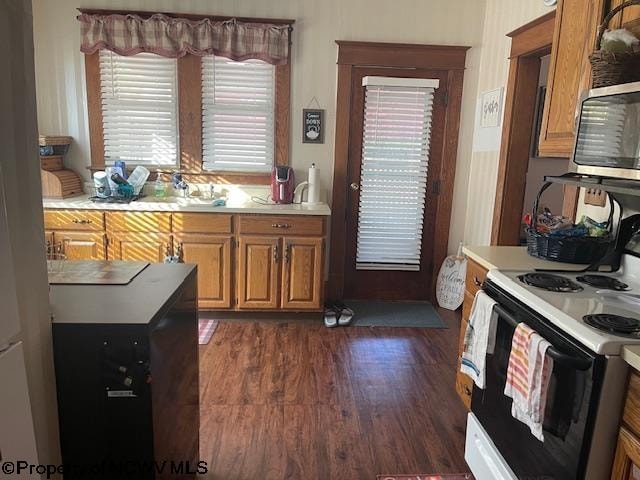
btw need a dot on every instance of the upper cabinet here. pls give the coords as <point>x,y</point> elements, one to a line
<point>569,72</point>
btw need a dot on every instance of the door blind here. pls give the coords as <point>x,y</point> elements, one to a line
<point>139,108</point>
<point>393,178</point>
<point>237,115</point>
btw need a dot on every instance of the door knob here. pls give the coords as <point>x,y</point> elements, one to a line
<point>354,186</point>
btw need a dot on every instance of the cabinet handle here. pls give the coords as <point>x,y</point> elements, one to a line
<point>276,255</point>
<point>287,253</point>
<point>477,281</point>
<point>81,221</point>
<point>467,390</point>
<point>280,225</point>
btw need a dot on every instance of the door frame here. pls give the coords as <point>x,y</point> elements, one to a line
<point>528,44</point>
<point>393,55</point>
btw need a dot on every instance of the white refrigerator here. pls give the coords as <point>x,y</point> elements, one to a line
<point>17,439</point>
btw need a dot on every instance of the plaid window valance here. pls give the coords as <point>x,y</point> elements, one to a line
<point>175,37</point>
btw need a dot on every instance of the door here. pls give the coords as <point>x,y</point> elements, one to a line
<point>258,261</point>
<point>626,465</point>
<point>302,273</point>
<point>395,152</point>
<point>212,255</point>
<point>569,73</point>
<point>82,245</point>
<point>144,247</point>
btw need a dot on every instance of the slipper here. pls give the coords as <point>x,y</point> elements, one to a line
<point>330,317</point>
<point>346,315</point>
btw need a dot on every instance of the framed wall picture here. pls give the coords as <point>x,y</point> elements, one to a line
<point>312,125</point>
<point>491,112</point>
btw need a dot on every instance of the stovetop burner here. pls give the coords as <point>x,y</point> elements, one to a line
<point>613,323</point>
<point>550,282</point>
<point>602,281</point>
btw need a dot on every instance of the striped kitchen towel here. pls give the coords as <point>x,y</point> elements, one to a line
<point>528,377</point>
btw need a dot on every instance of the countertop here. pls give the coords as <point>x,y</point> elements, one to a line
<point>239,204</point>
<point>631,355</point>
<point>135,303</point>
<point>512,258</point>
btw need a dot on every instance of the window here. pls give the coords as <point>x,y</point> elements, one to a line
<point>139,104</point>
<point>395,162</point>
<point>237,115</point>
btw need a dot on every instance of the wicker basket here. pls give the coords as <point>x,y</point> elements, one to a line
<point>611,68</point>
<point>54,145</point>
<point>584,250</point>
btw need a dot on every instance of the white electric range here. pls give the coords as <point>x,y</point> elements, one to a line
<point>587,317</point>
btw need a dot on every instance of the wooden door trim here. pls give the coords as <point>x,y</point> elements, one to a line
<point>359,54</point>
<point>528,44</point>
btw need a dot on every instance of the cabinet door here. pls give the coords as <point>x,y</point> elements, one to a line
<point>569,73</point>
<point>464,383</point>
<point>629,18</point>
<point>144,247</point>
<point>302,273</point>
<point>258,260</point>
<point>212,255</point>
<point>626,465</point>
<point>82,245</point>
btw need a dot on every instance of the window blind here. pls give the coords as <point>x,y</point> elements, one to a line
<point>139,108</point>
<point>600,136</point>
<point>237,115</point>
<point>393,178</point>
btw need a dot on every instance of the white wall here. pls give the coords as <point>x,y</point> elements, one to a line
<point>501,17</point>
<point>20,180</point>
<point>60,73</point>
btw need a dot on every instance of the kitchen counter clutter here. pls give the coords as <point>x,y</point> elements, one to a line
<point>194,204</point>
<point>249,256</point>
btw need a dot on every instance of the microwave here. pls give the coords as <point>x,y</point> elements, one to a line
<point>608,132</point>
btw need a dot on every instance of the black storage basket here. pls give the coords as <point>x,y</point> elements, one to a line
<point>585,250</point>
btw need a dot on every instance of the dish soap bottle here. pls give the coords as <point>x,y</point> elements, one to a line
<point>160,189</point>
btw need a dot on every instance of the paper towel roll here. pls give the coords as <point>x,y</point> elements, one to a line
<point>313,195</point>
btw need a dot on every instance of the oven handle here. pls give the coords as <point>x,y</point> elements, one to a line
<point>574,362</point>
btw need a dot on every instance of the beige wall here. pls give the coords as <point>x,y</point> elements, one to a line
<point>501,17</point>
<point>61,86</point>
<point>20,180</point>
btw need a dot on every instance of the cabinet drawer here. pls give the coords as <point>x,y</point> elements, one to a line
<point>273,225</point>
<point>73,220</point>
<point>138,222</point>
<point>631,414</point>
<point>201,223</point>
<point>476,275</point>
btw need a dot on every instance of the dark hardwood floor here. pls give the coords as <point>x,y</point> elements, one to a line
<point>295,400</point>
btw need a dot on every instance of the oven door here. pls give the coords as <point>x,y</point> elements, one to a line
<point>567,426</point>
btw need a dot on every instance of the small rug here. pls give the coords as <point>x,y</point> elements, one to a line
<point>394,314</point>
<point>206,328</point>
<point>431,476</point>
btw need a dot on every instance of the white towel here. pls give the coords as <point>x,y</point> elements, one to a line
<point>480,338</point>
<point>528,376</point>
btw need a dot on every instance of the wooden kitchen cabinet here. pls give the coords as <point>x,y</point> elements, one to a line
<point>139,246</point>
<point>245,261</point>
<point>629,18</point>
<point>476,275</point>
<point>569,72</point>
<point>302,273</point>
<point>626,463</point>
<point>82,245</point>
<point>258,260</point>
<point>212,255</point>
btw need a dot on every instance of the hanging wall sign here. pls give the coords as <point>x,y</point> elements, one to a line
<point>312,125</point>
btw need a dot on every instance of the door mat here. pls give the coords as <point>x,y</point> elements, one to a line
<point>429,476</point>
<point>394,314</point>
<point>206,329</point>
